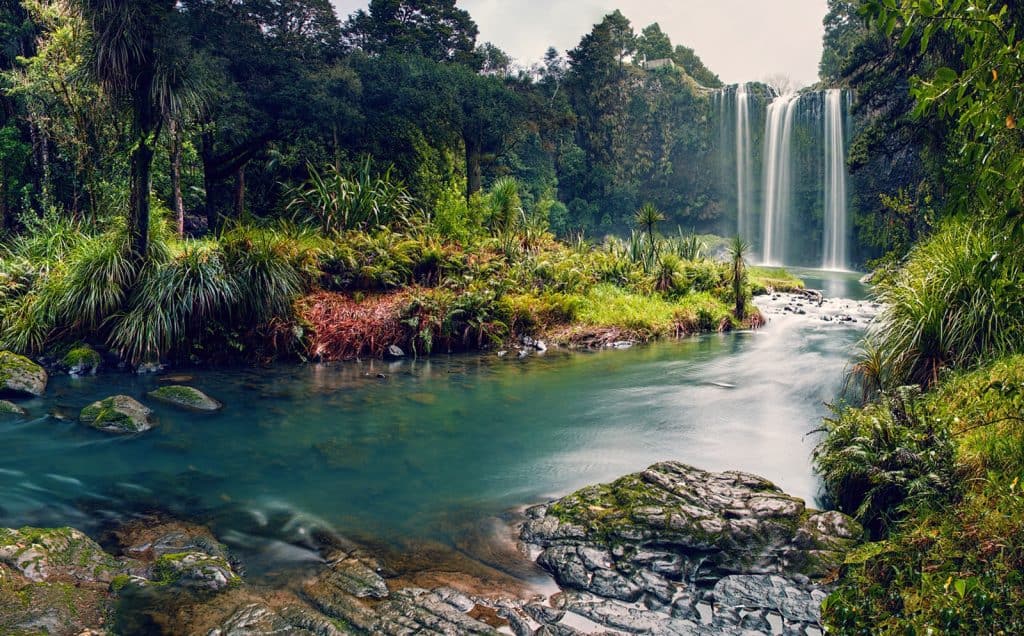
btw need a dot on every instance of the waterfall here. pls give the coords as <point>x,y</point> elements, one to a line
<point>836,224</point>
<point>777,180</point>
<point>744,165</point>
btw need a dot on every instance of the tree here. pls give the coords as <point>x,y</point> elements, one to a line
<point>434,29</point>
<point>653,44</point>
<point>493,61</point>
<point>738,249</point>
<point>844,29</point>
<point>646,218</point>
<point>133,59</point>
<point>686,57</point>
<point>781,83</point>
<point>979,93</point>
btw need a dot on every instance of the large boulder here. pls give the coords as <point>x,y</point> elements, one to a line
<point>21,376</point>
<point>185,397</point>
<point>118,414</point>
<point>672,535</point>
<point>54,581</point>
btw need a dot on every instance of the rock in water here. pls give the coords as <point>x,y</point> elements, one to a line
<point>82,360</point>
<point>186,397</point>
<point>195,570</point>
<point>118,414</point>
<point>9,408</point>
<point>673,529</point>
<point>20,375</point>
<point>54,581</point>
<point>394,351</point>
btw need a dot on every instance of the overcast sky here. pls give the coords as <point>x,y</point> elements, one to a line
<point>740,40</point>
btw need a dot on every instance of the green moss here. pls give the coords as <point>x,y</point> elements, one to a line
<point>82,356</point>
<point>105,413</point>
<point>179,394</point>
<point>775,278</point>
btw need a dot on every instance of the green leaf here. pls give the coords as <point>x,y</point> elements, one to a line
<point>946,75</point>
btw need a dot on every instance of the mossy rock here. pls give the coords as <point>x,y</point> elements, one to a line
<point>21,376</point>
<point>10,408</point>
<point>51,607</point>
<point>82,360</point>
<point>118,414</point>
<point>43,554</point>
<point>195,570</point>
<point>186,397</point>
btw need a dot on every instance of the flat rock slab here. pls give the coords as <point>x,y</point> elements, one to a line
<point>21,376</point>
<point>118,414</point>
<point>185,397</point>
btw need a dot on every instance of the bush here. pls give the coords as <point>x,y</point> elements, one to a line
<point>879,461</point>
<point>956,302</point>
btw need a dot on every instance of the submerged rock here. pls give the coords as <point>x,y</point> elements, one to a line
<point>186,397</point>
<point>21,376</point>
<point>81,360</point>
<point>259,618</point>
<point>394,351</point>
<point>118,414</point>
<point>10,408</point>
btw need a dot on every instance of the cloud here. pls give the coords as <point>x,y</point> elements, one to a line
<point>738,39</point>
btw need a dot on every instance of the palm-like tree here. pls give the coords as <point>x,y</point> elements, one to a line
<point>506,206</point>
<point>738,249</point>
<point>646,218</point>
<point>137,60</point>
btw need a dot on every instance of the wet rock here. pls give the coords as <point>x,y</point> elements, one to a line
<point>10,408</point>
<point>81,360</point>
<point>258,618</point>
<point>118,414</point>
<point>54,581</point>
<point>185,397</point>
<point>419,611</point>
<point>394,351</point>
<point>149,368</point>
<point>353,577</point>
<point>21,376</point>
<point>194,570</point>
<point>41,554</point>
<point>540,346</point>
<point>771,594</point>
<point>727,522</point>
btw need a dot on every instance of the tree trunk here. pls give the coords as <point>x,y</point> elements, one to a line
<point>138,213</point>
<point>6,220</point>
<point>473,172</point>
<point>179,203</point>
<point>240,192</point>
<point>209,182</point>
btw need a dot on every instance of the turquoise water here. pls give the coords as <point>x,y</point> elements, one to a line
<point>432,445</point>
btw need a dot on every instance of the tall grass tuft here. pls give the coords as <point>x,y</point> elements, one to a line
<point>956,302</point>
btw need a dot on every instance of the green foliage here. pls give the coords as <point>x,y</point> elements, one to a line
<point>362,199</point>
<point>956,302</point>
<point>505,208</point>
<point>978,94</point>
<point>738,249</point>
<point>955,564</point>
<point>881,461</point>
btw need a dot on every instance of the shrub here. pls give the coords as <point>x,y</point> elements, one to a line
<point>956,302</point>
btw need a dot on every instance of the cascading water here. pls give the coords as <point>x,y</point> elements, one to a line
<point>744,165</point>
<point>836,223</point>
<point>777,180</point>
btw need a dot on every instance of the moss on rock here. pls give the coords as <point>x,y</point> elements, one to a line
<point>185,397</point>
<point>9,408</point>
<point>81,359</point>
<point>118,414</point>
<point>21,376</point>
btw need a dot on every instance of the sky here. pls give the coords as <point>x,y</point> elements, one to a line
<point>741,40</point>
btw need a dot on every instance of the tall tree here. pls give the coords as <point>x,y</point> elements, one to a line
<point>434,29</point>
<point>653,44</point>
<point>131,59</point>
